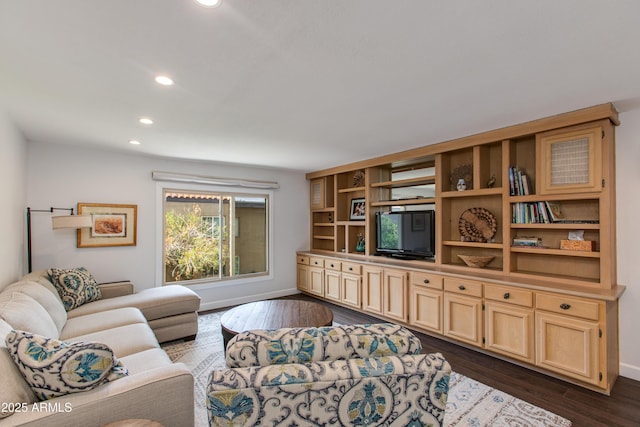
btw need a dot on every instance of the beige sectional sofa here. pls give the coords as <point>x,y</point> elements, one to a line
<point>131,324</point>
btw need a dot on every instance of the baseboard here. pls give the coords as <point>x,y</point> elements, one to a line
<point>630,371</point>
<point>246,299</point>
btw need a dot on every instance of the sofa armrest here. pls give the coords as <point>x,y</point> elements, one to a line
<point>163,394</point>
<point>116,289</point>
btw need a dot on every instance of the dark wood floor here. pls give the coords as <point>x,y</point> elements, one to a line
<point>583,407</point>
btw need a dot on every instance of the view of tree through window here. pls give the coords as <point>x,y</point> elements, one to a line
<point>213,236</point>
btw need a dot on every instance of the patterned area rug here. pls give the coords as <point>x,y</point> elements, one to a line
<point>470,403</point>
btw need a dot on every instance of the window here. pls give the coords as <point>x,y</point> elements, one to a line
<point>214,235</point>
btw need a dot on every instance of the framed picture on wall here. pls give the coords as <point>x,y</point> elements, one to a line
<point>111,225</point>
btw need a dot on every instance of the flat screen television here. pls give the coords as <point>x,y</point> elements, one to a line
<point>406,234</point>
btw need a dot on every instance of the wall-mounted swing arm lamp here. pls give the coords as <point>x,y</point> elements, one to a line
<point>57,221</point>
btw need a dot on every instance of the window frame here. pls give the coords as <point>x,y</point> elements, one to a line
<point>209,283</point>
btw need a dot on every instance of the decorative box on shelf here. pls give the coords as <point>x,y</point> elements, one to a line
<point>578,245</point>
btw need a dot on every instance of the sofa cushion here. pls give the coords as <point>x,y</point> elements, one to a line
<point>76,286</point>
<point>25,313</point>
<point>146,360</point>
<point>47,296</point>
<point>54,368</point>
<point>14,390</point>
<point>123,340</point>
<point>175,327</point>
<point>101,321</point>
<point>39,276</point>
<point>155,303</point>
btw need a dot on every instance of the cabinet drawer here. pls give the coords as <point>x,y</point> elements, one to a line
<point>566,305</point>
<point>316,262</point>
<point>351,267</point>
<point>509,295</point>
<point>303,259</point>
<point>425,279</point>
<point>461,286</point>
<point>331,264</point>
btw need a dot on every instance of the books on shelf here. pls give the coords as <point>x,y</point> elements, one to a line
<point>519,183</point>
<point>529,213</point>
<point>542,213</point>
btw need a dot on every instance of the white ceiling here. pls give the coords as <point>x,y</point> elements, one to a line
<point>306,84</point>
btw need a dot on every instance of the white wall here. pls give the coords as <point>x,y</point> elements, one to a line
<point>13,165</point>
<point>628,228</point>
<point>62,176</point>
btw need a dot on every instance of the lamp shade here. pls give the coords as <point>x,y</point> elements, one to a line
<point>71,221</point>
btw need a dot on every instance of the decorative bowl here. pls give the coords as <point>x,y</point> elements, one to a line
<point>476,261</point>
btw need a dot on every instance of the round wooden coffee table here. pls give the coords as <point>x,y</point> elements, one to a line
<point>274,314</point>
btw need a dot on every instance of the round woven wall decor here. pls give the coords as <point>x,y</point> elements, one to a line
<point>477,225</point>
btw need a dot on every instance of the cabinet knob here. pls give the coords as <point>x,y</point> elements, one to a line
<point>426,281</point>
<point>331,265</point>
<point>565,306</point>
<point>461,287</point>
<point>350,268</point>
<point>507,295</point>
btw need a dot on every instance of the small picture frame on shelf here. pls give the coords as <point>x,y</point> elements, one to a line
<point>358,209</point>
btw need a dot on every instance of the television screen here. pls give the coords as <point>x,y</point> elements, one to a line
<point>406,234</point>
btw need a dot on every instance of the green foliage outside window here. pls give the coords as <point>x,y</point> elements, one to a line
<point>192,251</point>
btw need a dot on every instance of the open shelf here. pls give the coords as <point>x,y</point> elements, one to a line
<point>425,201</point>
<point>555,252</point>
<point>350,190</point>
<point>472,244</point>
<point>472,193</point>
<point>560,226</point>
<point>409,182</point>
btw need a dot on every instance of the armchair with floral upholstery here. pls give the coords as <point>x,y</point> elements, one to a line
<point>340,375</point>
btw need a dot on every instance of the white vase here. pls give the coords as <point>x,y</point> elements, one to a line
<point>462,185</point>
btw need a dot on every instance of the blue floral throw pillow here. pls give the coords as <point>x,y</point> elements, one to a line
<point>54,368</point>
<point>76,286</point>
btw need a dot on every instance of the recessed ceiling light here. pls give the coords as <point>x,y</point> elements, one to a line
<point>209,3</point>
<point>145,121</point>
<point>164,80</point>
<point>134,142</point>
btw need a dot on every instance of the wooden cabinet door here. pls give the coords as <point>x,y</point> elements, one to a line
<point>317,193</point>
<point>569,346</point>
<point>425,308</point>
<point>332,285</point>
<point>395,294</point>
<point>303,277</point>
<point>351,290</point>
<point>316,281</point>
<point>372,289</point>
<point>509,330</point>
<point>463,318</point>
<point>570,160</point>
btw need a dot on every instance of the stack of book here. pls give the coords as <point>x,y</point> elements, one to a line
<point>527,241</point>
<point>518,182</point>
